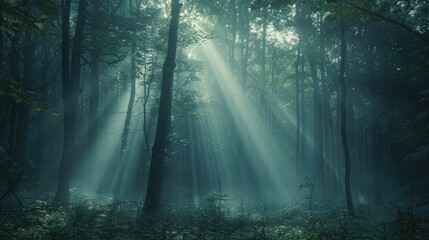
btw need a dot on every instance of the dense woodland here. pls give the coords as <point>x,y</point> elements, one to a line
<point>214,119</point>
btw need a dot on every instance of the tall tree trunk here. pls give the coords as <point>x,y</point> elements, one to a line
<point>344,120</point>
<point>13,116</point>
<point>244,39</point>
<point>161,144</point>
<point>95,84</point>
<point>318,136</point>
<point>14,72</point>
<point>233,9</point>
<point>24,109</point>
<point>62,195</point>
<point>303,155</point>
<point>71,89</point>
<point>127,123</point>
<point>94,103</point>
<point>298,115</point>
<point>327,132</point>
<point>41,115</point>
<point>263,56</point>
<point>377,152</point>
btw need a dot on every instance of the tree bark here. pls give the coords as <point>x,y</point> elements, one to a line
<point>40,144</point>
<point>344,120</point>
<point>244,39</point>
<point>14,72</point>
<point>24,109</point>
<point>233,9</point>
<point>94,103</point>
<point>95,85</point>
<point>318,136</point>
<point>127,123</point>
<point>297,102</point>
<point>161,144</point>
<point>71,89</point>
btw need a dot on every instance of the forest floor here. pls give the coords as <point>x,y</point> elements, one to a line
<point>97,219</point>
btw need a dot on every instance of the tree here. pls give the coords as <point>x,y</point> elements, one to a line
<point>344,120</point>
<point>160,146</point>
<point>71,89</point>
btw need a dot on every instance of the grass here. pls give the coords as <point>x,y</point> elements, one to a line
<point>90,219</point>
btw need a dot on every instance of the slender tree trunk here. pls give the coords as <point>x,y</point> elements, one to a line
<point>318,136</point>
<point>71,89</point>
<point>14,72</point>
<point>41,115</point>
<point>24,109</point>
<point>94,84</point>
<point>327,132</point>
<point>344,120</point>
<point>127,123</point>
<point>299,158</point>
<point>244,39</point>
<point>298,115</point>
<point>304,159</point>
<point>377,152</point>
<point>62,195</point>
<point>161,144</point>
<point>233,9</point>
<point>94,103</point>
<point>147,90</point>
<point>263,58</point>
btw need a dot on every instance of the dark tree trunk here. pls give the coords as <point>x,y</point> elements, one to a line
<point>233,9</point>
<point>303,148</point>
<point>24,109</point>
<point>377,152</point>
<point>127,123</point>
<point>298,114</point>
<point>62,195</point>
<point>94,103</point>
<point>13,116</point>
<point>318,136</point>
<point>344,120</point>
<point>95,84</point>
<point>41,115</point>
<point>327,132</point>
<point>71,89</point>
<point>244,39</point>
<point>263,60</point>
<point>160,146</point>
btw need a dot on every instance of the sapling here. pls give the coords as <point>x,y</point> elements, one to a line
<point>309,186</point>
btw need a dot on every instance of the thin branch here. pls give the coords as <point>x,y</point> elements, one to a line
<point>413,31</point>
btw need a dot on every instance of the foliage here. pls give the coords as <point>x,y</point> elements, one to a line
<point>86,219</point>
<point>14,90</point>
<point>308,186</point>
<point>15,15</point>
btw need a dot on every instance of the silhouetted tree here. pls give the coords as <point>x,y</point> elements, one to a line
<point>160,146</point>
<point>71,90</point>
<point>344,118</point>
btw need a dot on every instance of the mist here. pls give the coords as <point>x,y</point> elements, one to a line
<point>232,119</point>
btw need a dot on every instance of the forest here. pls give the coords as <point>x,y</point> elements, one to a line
<point>214,119</point>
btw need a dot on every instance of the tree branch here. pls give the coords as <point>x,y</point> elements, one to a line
<point>413,31</point>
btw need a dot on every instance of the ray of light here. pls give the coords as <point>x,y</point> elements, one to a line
<point>249,155</point>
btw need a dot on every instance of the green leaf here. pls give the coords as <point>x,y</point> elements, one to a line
<point>39,25</point>
<point>7,30</point>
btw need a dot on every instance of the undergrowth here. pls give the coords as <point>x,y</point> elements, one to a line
<point>86,219</point>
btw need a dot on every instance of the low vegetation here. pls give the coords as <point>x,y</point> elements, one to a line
<point>100,219</point>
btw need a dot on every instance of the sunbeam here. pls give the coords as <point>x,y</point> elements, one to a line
<point>249,159</point>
